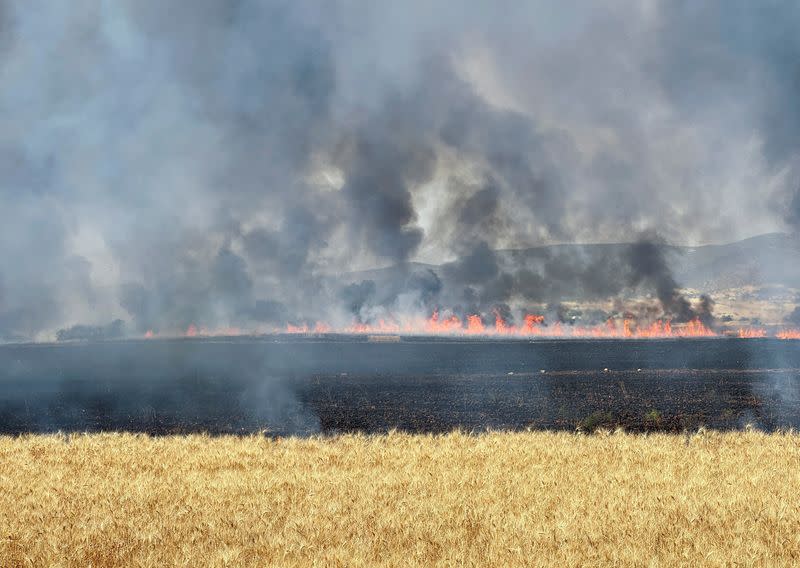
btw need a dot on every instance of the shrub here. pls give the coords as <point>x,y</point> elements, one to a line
<point>596,420</point>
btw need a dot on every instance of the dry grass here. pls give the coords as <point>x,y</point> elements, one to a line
<point>495,499</point>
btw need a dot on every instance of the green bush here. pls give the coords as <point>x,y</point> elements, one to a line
<point>652,416</point>
<point>596,420</point>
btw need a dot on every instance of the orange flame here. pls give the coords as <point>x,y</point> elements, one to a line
<point>500,325</point>
<point>695,328</point>
<point>296,328</point>
<point>532,325</point>
<point>475,324</point>
<point>448,325</point>
<point>788,334</point>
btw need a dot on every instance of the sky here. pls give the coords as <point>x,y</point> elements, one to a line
<point>215,161</point>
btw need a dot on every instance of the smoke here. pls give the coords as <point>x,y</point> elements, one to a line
<point>155,387</point>
<point>114,330</point>
<point>727,56</point>
<point>383,159</point>
<point>794,316</point>
<point>793,210</point>
<point>356,296</point>
<point>225,163</point>
<point>425,285</point>
<point>478,265</point>
<point>649,267</point>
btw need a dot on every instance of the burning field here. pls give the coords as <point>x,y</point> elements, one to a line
<point>474,325</point>
<point>360,282</point>
<point>532,326</point>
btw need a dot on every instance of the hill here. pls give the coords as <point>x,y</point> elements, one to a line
<point>766,260</point>
<point>756,277</point>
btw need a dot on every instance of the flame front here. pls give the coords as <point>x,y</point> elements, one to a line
<point>789,334</point>
<point>532,325</point>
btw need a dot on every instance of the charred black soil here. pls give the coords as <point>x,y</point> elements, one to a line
<point>296,385</point>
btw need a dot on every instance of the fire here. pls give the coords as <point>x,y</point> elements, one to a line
<point>194,331</point>
<point>788,334</point>
<point>475,324</point>
<point>658,329</point>
<point>296,328</point>
<point>531,325</point>
<point>695,328</point>
<point>447,325</point>
<point>750,332</point>
<point>383,326</point>
<point>500,325</point>
<point>321,327</point>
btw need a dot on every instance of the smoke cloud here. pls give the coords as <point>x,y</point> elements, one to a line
<point>252,163</point>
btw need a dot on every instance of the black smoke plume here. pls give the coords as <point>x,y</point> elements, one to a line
<point>650,268</point>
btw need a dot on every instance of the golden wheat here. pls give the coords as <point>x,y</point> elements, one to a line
<point>497,499</point>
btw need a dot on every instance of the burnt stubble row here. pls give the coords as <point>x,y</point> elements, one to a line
<point>287,385</point>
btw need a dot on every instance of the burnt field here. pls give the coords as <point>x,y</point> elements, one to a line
<point>298,385</point>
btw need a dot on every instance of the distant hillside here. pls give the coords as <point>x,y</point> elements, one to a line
<point>772,259</point>
<point>766,260</point>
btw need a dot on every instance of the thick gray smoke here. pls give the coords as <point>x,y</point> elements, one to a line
<point>250,163</point>
<point>649,267</point>
<point>114,330</point>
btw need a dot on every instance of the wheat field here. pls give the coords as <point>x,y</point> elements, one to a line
<point>496,499</point>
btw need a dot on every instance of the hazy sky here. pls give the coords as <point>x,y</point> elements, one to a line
<point>170,161</point>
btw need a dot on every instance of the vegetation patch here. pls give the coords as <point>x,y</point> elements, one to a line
<point>596,420</point>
